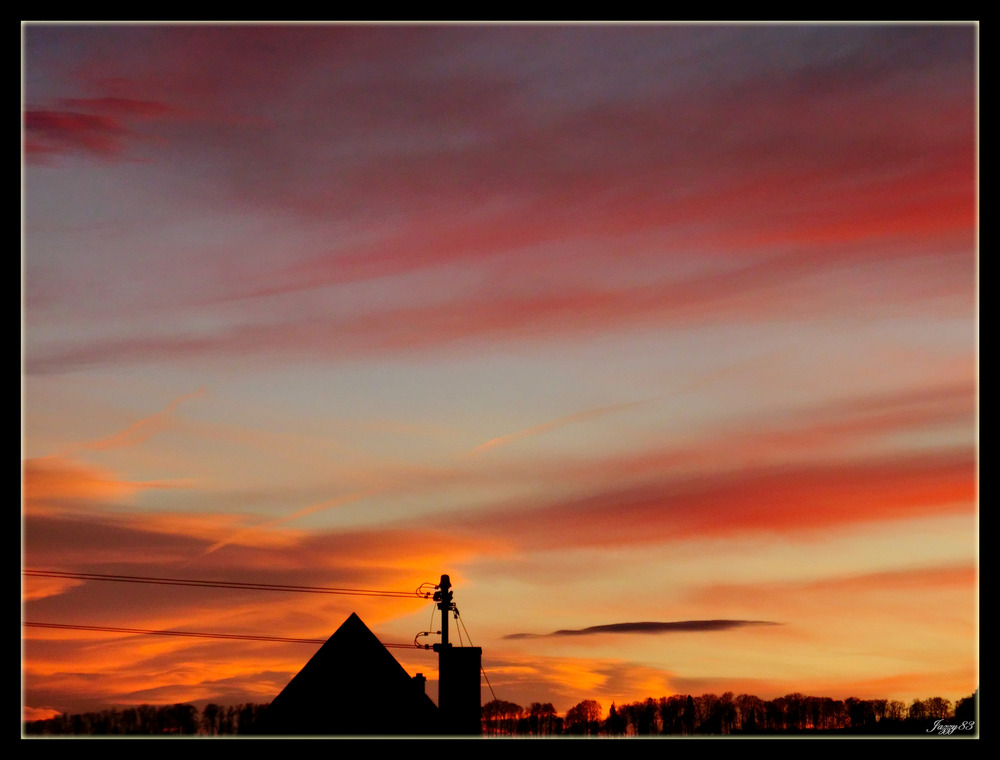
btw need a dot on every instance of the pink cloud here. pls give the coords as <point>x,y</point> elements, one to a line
<point>459,166</point>
<point>56,132</point>
<point>122,107</point>
<point>759,291</point>
<point>99,127</point>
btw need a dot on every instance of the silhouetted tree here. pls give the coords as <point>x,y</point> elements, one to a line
<point>895,710</point>
<point>178,719</point>
<point>541,719</point>
<point>880,706</point>
<point>500,718</point>
<point>690,716</point>
<point>210,719</point>
<point>249,714</point>
<point>835,714</point>
<point>228,720</point>
<point>648,715</point>
<point>614,725</point>
<point>707,714</point>
<point>794,705</point>
<point>640,718</point>
<point>130,721</point>
<point>965,709</point>
<point>918,710</point>
<point>938,707</point>
<point>671,709</point>
<point>860,714</point>
<point>752,715</point>
<point>726,713</point>
<point>775,714</point>
<point>583,719</point>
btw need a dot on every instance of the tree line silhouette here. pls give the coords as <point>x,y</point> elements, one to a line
<point>152,720</point>
<point>728,714</point>
<point>677,715</point>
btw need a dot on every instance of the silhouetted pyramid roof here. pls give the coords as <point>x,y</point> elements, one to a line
<point>352,685</point>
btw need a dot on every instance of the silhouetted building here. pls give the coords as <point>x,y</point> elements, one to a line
<point>353,686</point>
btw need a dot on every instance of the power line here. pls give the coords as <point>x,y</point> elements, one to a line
<point>192,634</point>
<point>418,594</point>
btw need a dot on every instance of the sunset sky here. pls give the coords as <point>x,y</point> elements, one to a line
<point>611,323</point>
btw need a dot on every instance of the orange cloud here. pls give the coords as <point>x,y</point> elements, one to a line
<point>787,499</point>
<point>906,583</point>
<point>33,587</point>
<point>53,481</point>
<point>252,533</point>
<point>39,713</point>
<point>565,681</point>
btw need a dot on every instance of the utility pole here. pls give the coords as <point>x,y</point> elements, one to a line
<point>459,696</point>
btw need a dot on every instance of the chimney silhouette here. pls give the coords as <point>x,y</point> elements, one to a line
<point>458,689</point>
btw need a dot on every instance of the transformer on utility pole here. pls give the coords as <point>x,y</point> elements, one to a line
<point>444,599</point>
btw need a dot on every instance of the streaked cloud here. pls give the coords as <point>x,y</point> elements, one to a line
<point>679,626</point>
<point>140,430</point>
<point>781,500</point>
<point>755,294</point>
<point>545,427</point>
<point>64,131</point>
<point>57,483</point>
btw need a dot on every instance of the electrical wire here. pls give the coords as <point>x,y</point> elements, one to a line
<point>462,622</point>
<point>483,671</point>
<point>433,610</point>
<point>469,636</point>
<point>418,594</point>
<point>193,634</point>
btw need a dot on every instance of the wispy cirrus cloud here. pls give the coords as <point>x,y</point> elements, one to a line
<point>61,480</point>
<point>122,107</point>
<point>954,578</point>
<point>102,127</point>
<point>49,133</point>
<point>57,483</point>
<point>753,293</point>
<point>770,499</point>
<point>584,416</point>
<point>140,430</point>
